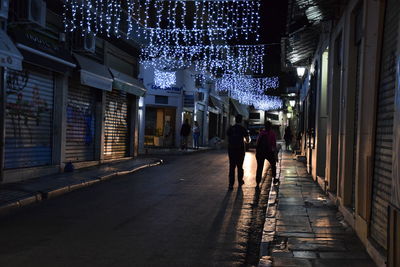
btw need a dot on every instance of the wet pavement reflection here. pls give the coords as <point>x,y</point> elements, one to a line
<point>305,227</point>
<point>177,214</point>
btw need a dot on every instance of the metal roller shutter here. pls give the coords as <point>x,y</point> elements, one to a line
<point>80,123</point>
<point>384,127</point>
<point>116,134</point>
<point>29,116</point>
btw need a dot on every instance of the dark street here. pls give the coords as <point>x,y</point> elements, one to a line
<point>177,214</point>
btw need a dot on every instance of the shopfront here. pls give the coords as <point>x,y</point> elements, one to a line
<point>83,101</point>
<point>162,112</point>
<point>30,101</point>
<point>159,127</point>
<point>121,115</point>
<point>10,61</point>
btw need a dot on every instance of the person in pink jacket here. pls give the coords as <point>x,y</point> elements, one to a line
<point>266,150</point>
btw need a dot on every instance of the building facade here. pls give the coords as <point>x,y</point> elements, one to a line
<point>349,113</point>
<point>69,99</point>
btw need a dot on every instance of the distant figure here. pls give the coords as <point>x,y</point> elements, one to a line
<point>288,138</point>
<point>237,135</point>
<point>185,132</point>
<point>266,149</point>
<point>196,135</point>
<point>167,132</point>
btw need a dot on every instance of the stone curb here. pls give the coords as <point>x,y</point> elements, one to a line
<point>269,226</point>
<point>180,152</point>
<point>43,195</point>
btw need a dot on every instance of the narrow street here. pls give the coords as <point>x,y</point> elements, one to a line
<point>177,214</point>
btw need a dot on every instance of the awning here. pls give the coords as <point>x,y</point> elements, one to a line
<point>42,51</point>
<point>10,57</point>
<point>240,109</point>
<point>127,83</point>
<point>217,103</point>
<point>94,74</point>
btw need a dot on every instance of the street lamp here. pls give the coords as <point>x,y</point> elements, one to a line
<point>292,103</point>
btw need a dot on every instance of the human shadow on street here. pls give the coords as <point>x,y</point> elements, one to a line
<point>222,238</point>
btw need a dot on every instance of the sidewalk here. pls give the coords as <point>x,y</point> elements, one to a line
<point>15,195</point>
<point>304,228</point>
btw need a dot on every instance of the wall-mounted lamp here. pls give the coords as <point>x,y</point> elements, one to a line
<point>141,102</point>
<point>300,71</point>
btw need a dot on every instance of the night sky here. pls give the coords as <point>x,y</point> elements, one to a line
<point>273,23</point>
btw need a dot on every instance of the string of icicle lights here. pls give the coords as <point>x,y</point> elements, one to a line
<point>207,58</point>
<point>251,91</point>
<point>174,28</point>
<point>164,79</point>
<point>166,20</point>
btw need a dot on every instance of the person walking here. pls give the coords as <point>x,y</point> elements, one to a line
<point>266,150</point>
<point>196,135</point>
<point>288,138</point>
<point>185,132</point>
<point>237,136</point>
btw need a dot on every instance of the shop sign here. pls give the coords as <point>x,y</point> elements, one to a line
<point>172,90</point>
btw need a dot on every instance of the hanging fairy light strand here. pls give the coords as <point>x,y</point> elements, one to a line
<point>257,85</point>
<point>164,79</point>
<point>210,19</point>
<point>177,32</point>
<point>250,91</point>
<point>211,58</point>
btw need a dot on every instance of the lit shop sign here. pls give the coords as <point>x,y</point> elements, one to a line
<point>174,90</point>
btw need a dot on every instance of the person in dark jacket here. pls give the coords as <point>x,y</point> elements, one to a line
<point>266,150</point>
<point>237,136</point>
<point>185,132</point>
<point>288,138</point>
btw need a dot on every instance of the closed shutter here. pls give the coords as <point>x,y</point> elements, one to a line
<point>80,123</point>
<point>116,133</point>
<point>384,127</point>
<point>29,116</point>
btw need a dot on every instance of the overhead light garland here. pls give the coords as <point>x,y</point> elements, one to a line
<point>178,32</point>
<point>268,103</point>
<point>93,16</point>
<point>246,82</point>
<point>163,79</point>
<point>209,58</point>
<point>250,91</point>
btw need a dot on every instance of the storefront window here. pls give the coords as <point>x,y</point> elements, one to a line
<point>160,127</point>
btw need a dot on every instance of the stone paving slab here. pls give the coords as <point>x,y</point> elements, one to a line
<point>23,193</point>
<point>305,228</point>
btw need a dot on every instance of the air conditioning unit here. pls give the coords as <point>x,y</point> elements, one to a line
<point>4,9</point>
<point>31,11</point>
<point>85,42</point>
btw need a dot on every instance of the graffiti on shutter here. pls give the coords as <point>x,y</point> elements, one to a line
<point>29,116</point>
<point>80,123</point>
<point>116,134</point>
<point>384,127</point>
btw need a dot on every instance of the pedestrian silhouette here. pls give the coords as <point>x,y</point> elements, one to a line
<point>237,136</point>
<point>288,137</point>
<point>266,150</point>
<point>185,132</point>
<point>196,134</point>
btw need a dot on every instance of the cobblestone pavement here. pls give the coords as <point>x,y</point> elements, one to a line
<point>304,228</point>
